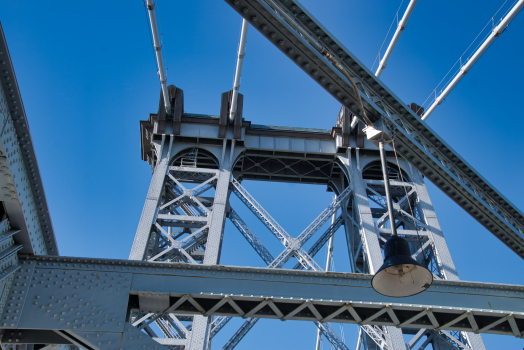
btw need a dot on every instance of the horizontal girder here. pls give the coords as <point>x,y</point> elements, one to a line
<point>58,293</point>
<point>415,141</point>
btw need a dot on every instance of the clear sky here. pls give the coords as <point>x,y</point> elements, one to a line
<point>87,75</point>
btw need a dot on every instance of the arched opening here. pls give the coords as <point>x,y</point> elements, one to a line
<point>373,171</point>
<point>195,158</point>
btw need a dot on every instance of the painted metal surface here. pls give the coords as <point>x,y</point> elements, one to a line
<point>414,139</point>
<point>22,188</point>
<point>174,276</point>
<point>297,295</point>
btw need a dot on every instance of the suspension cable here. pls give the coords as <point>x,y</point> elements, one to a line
<point>387,34</point>
<point>481,48</point>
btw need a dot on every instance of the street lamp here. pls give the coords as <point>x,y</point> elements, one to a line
<point>400,275</point>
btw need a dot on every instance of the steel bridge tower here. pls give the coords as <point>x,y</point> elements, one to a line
<point>200,161</point>
<point>173,293</point>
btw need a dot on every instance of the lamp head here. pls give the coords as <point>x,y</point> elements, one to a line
<point>400,275</point>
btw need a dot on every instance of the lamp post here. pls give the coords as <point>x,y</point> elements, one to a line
<point>400,275</point>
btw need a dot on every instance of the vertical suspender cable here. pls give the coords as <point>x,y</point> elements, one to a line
<point>485,45</point>
<point>400,28</point>
<point>158,52</point>
<point>238,71</point>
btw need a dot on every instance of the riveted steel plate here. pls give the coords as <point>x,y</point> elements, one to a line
<point>33,336</point>
<point>152,301</point>
<point>99,340</point>
<point>17,295</point>
<point>134,339</point>
<point>70,299</point>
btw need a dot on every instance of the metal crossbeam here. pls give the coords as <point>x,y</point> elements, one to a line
<point>323,239</point>
<point>305,260</point>
<point>240,334</point>
<point>260,212</point>
<point>164,288</point>
<point>218,324</point>
<point>414,140</point>
<point>250,236</point>
<point>293,245</point>
<point>324,216</point>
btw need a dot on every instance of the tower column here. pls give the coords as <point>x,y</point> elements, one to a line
<point>148,217</point>
<point>370,237</point>
<point>200,333</point>
<point>447,266</point>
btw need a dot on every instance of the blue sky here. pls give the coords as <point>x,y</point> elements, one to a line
<point>87,75</point>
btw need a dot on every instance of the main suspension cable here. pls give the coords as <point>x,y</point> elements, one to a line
<point>387,34</point>
<point>460,59</point>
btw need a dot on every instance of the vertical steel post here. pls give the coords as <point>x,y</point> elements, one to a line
<point>147,219</point>
<point>387,189</point>
<point>359,341</point>
<point>447,265</point>
<point>369,233</point>
<point>200,333</point>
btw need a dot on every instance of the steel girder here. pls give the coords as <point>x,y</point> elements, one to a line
<point>64,294</point>
<point>21,186</point>
<point>415,140</point>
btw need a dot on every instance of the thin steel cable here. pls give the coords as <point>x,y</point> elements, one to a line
<point>491,20</point>
<point>353,84</point>
<point>409,202</point>
<point>387,34</point>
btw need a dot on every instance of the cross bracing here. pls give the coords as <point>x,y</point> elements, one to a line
<point>410,219</point>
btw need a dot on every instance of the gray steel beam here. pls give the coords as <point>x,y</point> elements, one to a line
<point>415,141</point>
<point>250,237</point>
<point>21,186</point>
<point>140,247</point>
<point>201,333</point>
<point>107,288</point>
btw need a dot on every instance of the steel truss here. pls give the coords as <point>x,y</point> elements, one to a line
<point>56,299</point>
<point>414,219</point>
<point>179,233</point>
<point>182,221</point>
<point>173,294</point>
<point>293,247</point>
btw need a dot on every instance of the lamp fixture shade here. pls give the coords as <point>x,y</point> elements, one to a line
<point>400,275</point>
